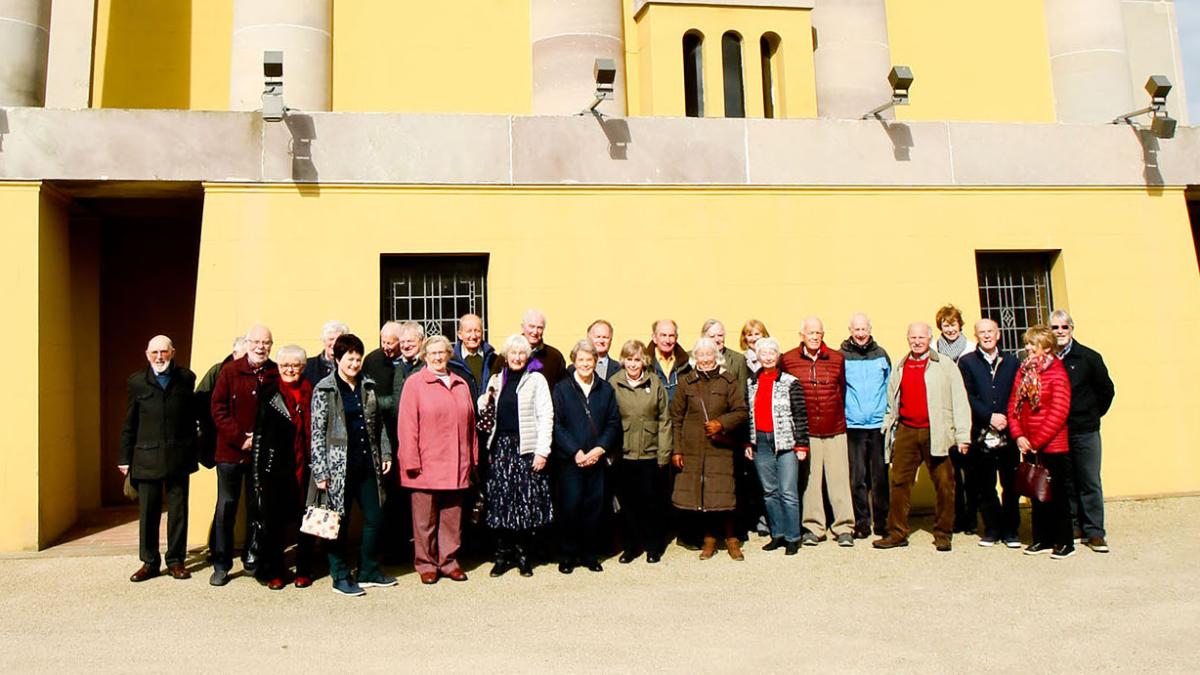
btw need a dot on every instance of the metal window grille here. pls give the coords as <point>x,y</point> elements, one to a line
<point>1014,291</point>
<point>434,290</point>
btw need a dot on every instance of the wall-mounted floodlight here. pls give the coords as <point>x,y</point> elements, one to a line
<point>901,79</point>
<point>605,73</point>
<point>272,97</point>
<point>1162,125</point>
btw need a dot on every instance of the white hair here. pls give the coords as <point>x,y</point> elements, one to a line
<point>435,340</point>
<point>921,324</point>
<point>515,343</point>
<point>390,328</point>
<point>291,352</point>
<point>412,327</point>
<point>765,343</point>
<point>860,315</point>
<point>239,342</point>
<point>333,329</point>
<point>584,345</point>
<point>531,314</point>
<point>707,343</point>
<point>1062,315</point>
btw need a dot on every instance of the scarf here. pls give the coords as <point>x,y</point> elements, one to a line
<point>298,397</point>
<point>952,350</point>
<point>1030,389</point>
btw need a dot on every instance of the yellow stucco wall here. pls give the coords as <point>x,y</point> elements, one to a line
<point>986,61</point>
<point>1124,254</point>
<point>654,58</point>
<point>424,57</point>
<point>19,202</point>
<point>162,54</point>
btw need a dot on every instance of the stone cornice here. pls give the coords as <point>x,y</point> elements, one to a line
<point>640,5</point>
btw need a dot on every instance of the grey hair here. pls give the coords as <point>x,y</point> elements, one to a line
<point>333,329</point>
<point>584,345</point>
<point>413,327</point>
<point>707,343</point>
<point>531,314</point>
<point>766,343</point>
<point>922,324</point>
<point>860,315</point>
<point>290,352</point>
<point>812,318</point>
<point>436,339</point>
<point>709,324</point>
<point>515,343</point>
<point>390,328</point>
<point>239,342</point>
<point>1062,315</point>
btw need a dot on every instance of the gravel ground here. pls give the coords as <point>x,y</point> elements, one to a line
<point>906,610</point>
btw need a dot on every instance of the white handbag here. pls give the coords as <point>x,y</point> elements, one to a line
<point>320,521</point>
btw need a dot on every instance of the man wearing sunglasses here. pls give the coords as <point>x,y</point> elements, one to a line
<point>1091,396</point>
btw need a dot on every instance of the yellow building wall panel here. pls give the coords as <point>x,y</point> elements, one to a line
<point>432,57</point>
<point>657,72</point>
<point>1124,254</point>
<point>978,61</point>
<point>171,54</point>
<point>19,206</point>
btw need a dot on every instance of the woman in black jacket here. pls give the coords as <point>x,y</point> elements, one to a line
<point>587,432</point>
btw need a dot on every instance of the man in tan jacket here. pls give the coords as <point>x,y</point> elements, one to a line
<point>928,414</point>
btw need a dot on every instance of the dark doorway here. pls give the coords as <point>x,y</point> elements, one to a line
<point>1193,207</point>
<point>1014,291</point>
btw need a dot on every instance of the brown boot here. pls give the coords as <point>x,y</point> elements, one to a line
<point>709,549</point>
<point>734,546</point>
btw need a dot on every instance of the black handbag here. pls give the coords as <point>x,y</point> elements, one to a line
<point>486,421</point>
<point>1033,480</point>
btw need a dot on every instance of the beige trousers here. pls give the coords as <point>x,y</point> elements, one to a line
<point>828,463</point>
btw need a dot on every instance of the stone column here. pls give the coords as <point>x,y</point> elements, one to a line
<point>568,36</point>
<point>69,69</point>
<point>298,28</point>
<point>852,57</point>
<point>24,49</point>
<point>1088,60</point>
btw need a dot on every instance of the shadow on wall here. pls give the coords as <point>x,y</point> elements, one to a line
<point>148,55</point>
<point>3,127</point>
<point>902,139</point>
<point>616,130</point>
<point>1151,173</point>
<point>304,172</point>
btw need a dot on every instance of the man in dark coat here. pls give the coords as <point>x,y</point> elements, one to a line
<point>206,441</point>
<point>321,365</point>
<point>1092,394</point>
<point>554,366</point>
<point>158,453</point>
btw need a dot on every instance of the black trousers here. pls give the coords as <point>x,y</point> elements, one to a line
<point>150,499</point>
<point>868,480</point>
<point>580,510</point>
<point>1001,515</point>
<point>231,479</point>
<point>966,509</point>
<point>639,486</point>
<point>1052,519</point>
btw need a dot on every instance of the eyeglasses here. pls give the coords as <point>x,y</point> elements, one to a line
<point>261,343</point>
<point>291,366</point>
<point>1053,327</point>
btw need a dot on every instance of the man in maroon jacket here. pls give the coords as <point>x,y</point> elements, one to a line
<point>822,372</point>
<point>234,406</point>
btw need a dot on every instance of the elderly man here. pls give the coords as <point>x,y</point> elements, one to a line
<point>553,365</point>
<point>472,356</point>
<point>1092,395</point>
<point>988,375</point>
<point>601,335</point>
<point>381,365</point>
<point>735,363</point>
<point>669,359</point>
<point>927,414</point>
<point>158,454</point>
<point>206,441</point>
<point>321,365</point>
<point>234,409</point>
<point>822,372</point>
<point>867,370</point>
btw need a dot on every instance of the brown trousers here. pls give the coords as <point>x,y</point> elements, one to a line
<point>910,450</point>
<point>437,529</point>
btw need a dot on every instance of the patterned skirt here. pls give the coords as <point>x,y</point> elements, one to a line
<point>518,498</point>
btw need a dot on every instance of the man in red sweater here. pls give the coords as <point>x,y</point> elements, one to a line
<point>822,373</point>
<point>928,414</point>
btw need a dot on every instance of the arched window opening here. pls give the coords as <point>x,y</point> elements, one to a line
<point>768,47</point>
<point>693,74</point>
<point>731,66</point>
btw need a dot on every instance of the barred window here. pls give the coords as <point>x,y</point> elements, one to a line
<point>434,290</point>
<point>1014,291</point>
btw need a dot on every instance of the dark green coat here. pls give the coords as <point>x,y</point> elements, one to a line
<point>706,482</point>
<point>159,437</point>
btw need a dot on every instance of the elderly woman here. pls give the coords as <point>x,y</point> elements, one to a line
<point>280,465</point>
<point>587,432</point>
<point>752,332</point>
<point>518,489</point>
<point>707,406</point>
<point>1037,419</point>
<point>646,450</point>
<point>438,449</point>
<point>350,455</point>
<point>778,443</point>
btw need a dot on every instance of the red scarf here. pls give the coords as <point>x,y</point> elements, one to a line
<point>298,398</point>
<point>1030,390</point>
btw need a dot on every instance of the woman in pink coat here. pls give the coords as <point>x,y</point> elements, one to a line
<point>438,447</point>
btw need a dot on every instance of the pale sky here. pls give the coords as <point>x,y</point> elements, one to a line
<point>1187,12</point>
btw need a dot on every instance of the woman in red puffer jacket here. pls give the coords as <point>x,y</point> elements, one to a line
<point>1037,419</point>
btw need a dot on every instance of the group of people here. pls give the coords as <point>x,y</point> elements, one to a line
<point>532,446</point>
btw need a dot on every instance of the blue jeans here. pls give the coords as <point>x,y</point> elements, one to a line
<point>779,475</point>
<point>1086,492</point>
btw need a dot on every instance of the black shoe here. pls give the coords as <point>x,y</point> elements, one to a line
<point>1061,552</point>
<point>862,532</point>
<point>653,557</point>
<point>593,565</point>
<point>502,565</point>
<point>627,558</point>
<point>565,568</point>
<point>776,542</point>
<point>791,548</point>
<point>1037,548</point>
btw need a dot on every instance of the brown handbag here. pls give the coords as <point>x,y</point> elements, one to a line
<point>1033,479</point>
